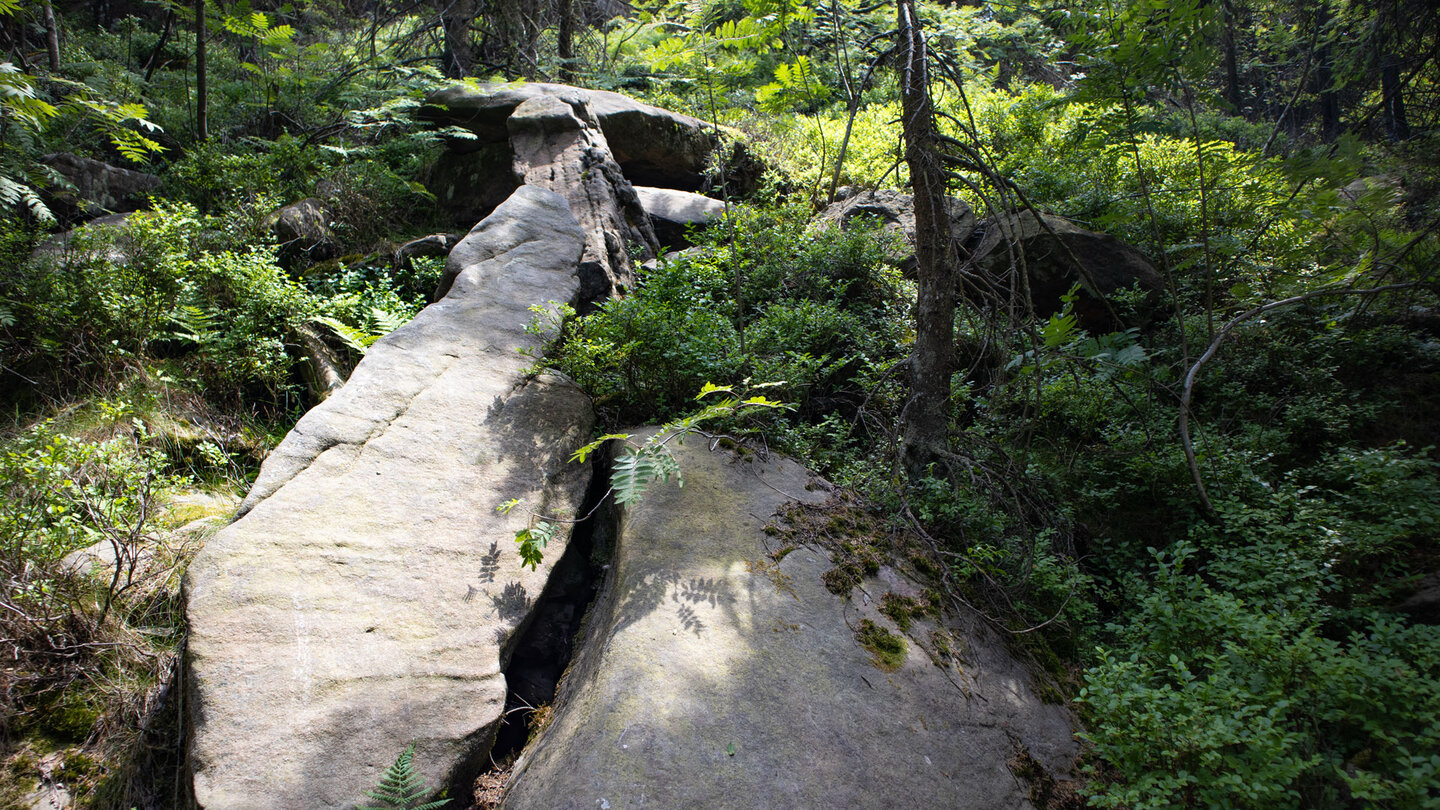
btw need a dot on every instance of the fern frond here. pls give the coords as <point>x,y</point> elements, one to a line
<point>382,322</point>
<point>13,194</point>
<point>401,787</point>
<point>357,339</point>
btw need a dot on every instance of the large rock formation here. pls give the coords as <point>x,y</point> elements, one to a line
<point>894,212</point>
<point>1057,254</point>
<point>99,188</point>
<point>715,676</point>
<point>654,147</point>
<point>302,231</point>
<point>369,593</point>
<point>558,145</point>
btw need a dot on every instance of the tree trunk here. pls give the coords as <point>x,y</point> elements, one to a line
<point>927,415</point>
<point>565,40</point>
<point>457,16</point>
<point>1329,100</point>
<point>52,36</point>
<point>154,60</point>
<point>1392,100</point>
<point>1232,59</point>
<point>202,87</point>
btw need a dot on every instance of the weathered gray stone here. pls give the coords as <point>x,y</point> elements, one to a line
<point>1384,187</point>
<point>432,246</point>
<point>1050,247</point>
<point>303,232</point>
<point>895,212</point>
<point>714,677</point>
<point>99,187</point>
<point>469,182</point>
<point>559,146</point>
<point>654,147</point>
<point>674,213</point>
<point>370,591</point>
<point>1424,604</point>
<point>61,247</point>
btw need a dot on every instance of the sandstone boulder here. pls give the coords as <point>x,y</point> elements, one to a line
<point>1424,604</point>
<point>716,675</point>
<point>895,212</point>
<point>432,246</point>
<point>370,590</point>
<point>1057,254</point>
<point>468,181</point>
<point>674,213</point>
<point>99,187</point>
<point>61,247</point>
<point>303,232</point>
<point>654,147</point>
<point>558,145</point>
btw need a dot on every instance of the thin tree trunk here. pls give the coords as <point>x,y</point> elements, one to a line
<point>1397,125</point>
<point>459,57</point>
<point>52,36</point>
<point>927,415</point>
<point>1329,100</point>
<point>1232,58</point>
<point>154,59</point>
<point>202,86</point>
<point>565,39</point>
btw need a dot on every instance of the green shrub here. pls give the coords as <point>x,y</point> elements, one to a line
<point>59,493</point>
<point>1225,703</point>
<point>817,309</point>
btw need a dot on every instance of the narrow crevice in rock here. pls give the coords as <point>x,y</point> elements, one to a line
<point>542,650</point>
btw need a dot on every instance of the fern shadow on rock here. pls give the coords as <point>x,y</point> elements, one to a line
<point>513,603</point>
<point>647,594</point>
<point>709,590</point>
<point>641,599</point>
<point>490,564</point>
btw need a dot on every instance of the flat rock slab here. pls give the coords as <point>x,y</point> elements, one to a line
<point>368,596</point>
<point>715,677</point>
<point>675,213</point>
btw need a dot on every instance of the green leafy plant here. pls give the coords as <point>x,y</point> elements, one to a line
<point>401,787</point>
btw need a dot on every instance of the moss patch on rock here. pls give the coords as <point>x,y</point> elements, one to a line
<point>858,542</point>
<point>887,650</point>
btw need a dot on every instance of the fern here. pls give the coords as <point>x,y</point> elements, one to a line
<point>382,322</point>
<point>357,339</point>
<point>13,195</point>
<point>401,788</point>
<point>639,466</point>
<point>195,325</point>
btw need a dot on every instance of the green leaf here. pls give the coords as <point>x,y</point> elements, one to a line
<point>579,456</point>
<point>637,469</point>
